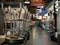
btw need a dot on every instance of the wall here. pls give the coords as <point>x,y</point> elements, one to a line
<point>1,22</point>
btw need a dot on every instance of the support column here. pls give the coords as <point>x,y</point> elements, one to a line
<point>58,26</point>
<point>58,22</point>
<point>1,22</point>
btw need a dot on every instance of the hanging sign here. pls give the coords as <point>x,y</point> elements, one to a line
<point>36,2</point>
<point>43,11</point>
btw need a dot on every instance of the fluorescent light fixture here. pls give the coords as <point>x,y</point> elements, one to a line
<point>44,16</point>
<point>56,5</point>
<point>39,10</point>
<point>27,2</point>
<point>40,6</point>
<point>39,17</point>
<point>57,1</point>
<point>56,9</point>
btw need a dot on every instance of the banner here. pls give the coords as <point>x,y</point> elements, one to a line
<point>37,2</point>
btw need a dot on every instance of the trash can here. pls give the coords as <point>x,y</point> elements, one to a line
<point>37,23</point>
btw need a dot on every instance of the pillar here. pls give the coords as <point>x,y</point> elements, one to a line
<point>58,23</point>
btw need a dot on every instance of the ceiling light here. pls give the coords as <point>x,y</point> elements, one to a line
<point>44,16</point>
<point>56,9</point>
<point>40,6</point>
<point>27,2</point>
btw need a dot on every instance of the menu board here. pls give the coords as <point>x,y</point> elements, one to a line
<point>37,2</point>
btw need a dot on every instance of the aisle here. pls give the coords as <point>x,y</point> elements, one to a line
<point>39,37</point>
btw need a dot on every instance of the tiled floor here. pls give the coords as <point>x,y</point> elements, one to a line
<point>40,37</point>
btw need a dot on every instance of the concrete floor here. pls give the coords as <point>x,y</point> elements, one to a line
<point>40,37</point>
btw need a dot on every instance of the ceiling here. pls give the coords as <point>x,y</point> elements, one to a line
<point>46,1</point>
<point>31,8</point>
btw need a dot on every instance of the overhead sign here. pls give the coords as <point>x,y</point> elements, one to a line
<point>36,2</point>
<point>44,11</point>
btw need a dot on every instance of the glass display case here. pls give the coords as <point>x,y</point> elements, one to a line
<point>16,24</point>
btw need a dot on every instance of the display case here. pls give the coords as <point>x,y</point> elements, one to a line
<point>16,24</point>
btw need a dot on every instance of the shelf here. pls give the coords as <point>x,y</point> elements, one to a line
<point>18,20</point>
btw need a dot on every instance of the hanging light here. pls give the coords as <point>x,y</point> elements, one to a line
<point>27,2</point>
